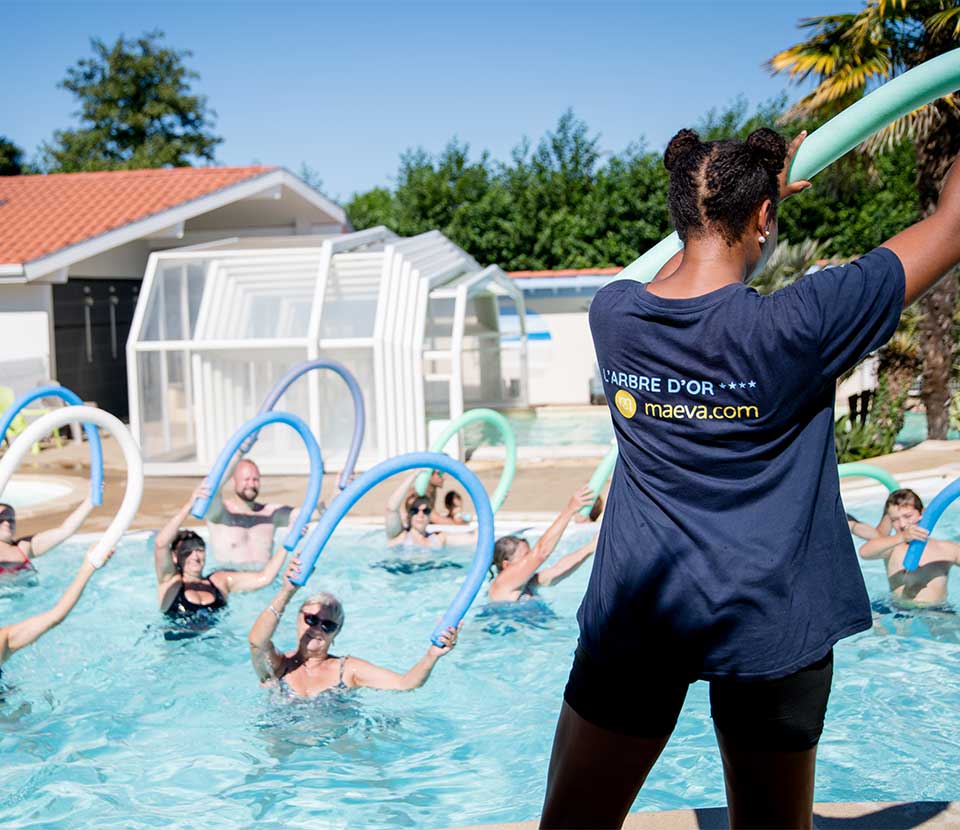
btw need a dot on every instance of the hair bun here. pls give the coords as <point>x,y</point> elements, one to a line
<point>769,148</point>
<point>683,143</point>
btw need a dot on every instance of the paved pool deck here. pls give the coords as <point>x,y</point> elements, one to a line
<point>540,489</point>
<point>840,816</point>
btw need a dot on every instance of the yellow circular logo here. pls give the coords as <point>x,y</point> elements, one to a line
<point>626,403</point>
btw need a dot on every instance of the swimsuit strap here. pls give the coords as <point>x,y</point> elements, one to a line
<point>343,661</point>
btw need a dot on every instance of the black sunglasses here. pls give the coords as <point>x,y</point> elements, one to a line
<point>8,516</point>
<point>326,626</point>
<point>421,509</point>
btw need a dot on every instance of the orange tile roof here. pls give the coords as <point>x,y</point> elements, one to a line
<point>42,214</point>
<point>565,272</point>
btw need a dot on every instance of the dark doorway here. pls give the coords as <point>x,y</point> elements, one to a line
<point>91,321</point>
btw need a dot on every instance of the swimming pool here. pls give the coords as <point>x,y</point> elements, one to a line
<point>26,491</point>
<point>108,720</point>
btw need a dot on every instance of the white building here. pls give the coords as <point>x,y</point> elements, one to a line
<point>74,247</point>
<point>416,320</point>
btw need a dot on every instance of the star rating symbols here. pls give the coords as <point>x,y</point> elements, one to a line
<point>752,384</point>
<point>723,386</point>
<point>743,385</point>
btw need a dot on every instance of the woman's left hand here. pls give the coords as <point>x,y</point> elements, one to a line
<point>787,189</point>
<point>449,640</point>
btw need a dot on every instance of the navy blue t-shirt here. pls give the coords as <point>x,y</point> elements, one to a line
<point>724,550</point>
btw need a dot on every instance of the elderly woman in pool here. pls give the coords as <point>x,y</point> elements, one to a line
<point>311,668</point>
<point>19,635</point>
<point>179,558</point>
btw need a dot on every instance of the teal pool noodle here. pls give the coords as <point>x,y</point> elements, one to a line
<point>601,475</point>
<point>855,468</point>
<point>490,416</point>
<point>921,85</point>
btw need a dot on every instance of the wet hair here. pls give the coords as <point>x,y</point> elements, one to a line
<point>903,498</point>
<point>185,543</point>
<point>715,186</point>
<point>449,499</point>
<point>504,549</point>
<point>596,509</point>
<point>328,600</point>
<point>4,507</point>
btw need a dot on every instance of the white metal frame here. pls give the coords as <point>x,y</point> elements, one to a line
<point>406,274</point>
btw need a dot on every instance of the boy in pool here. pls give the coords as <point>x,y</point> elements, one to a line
<point>927,585</point>
<point>516,563</point>
<point>16,554</point>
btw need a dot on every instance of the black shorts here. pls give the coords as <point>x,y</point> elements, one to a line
<point>781,715</point>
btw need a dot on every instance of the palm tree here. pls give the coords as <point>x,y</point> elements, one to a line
<point>850,54</point>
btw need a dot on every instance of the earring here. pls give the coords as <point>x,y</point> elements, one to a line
<point>762,239</point>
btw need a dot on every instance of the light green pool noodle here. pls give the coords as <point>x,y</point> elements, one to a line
<point>921,85</point>
<point>855,468</point>
<point>601,475</point>
<point>509,443</point>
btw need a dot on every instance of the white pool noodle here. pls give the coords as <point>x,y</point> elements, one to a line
<point>44,425</point>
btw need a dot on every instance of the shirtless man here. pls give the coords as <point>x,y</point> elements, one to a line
<point>16,553</point>
<point>241,528</point>
<point>516,563</point>
<point>927,585</point>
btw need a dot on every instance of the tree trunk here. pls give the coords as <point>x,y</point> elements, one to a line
<point>937,347</point>
<point>935,153</point>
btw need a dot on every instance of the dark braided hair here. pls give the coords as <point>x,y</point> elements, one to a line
<point>715,186</point>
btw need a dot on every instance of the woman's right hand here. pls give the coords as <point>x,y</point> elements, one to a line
<point>293,571</point>
<point>581,498</point>
<point>788,189</point>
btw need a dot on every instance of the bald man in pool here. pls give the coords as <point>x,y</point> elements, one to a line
<point>17,553</point>
<point>242,528</point>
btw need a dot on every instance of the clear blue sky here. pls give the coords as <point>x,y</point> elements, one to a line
<point>346,86</point>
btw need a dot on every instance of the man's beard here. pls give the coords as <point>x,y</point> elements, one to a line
<point>250,494</point>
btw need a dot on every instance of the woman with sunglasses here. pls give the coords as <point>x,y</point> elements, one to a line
<point>311,669</point>
<point>179,557</point>
<point>16,554</point>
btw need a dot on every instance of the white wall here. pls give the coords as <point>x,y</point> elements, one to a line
<point>561,368</point>
<point>26,335</point>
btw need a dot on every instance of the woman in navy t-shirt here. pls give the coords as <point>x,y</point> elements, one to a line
<point>725,553</point>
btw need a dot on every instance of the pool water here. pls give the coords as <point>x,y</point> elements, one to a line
<point>107,719</point>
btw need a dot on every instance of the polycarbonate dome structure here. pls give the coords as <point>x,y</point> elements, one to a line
<point>417,320</point>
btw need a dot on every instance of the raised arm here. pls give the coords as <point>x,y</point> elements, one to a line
<point>882,546</point>
<point>47,540</point>
<point>566,565</point>
<point>370,676</point>
<point>14,637</point>
<point>267,660</point>
<point>162,561</point>
<point>392,519</point>
<point>931,247</point>
<point>239,582</point>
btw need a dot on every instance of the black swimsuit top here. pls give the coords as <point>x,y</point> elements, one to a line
<point>181,606</point>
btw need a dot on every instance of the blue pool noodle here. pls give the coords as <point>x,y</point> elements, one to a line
<point>931,516</point>
<point>254,425</point>
<point>93,434</point>
<point>359,416</point>
<point>482,558</point>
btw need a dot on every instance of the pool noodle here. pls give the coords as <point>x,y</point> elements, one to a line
<point>913,89</point>
<point>855,468</point>
<point>131,454</point>
<point>928,521</point>
<point>93,437</point>
<point>359,417</point>
<point>482,558</point>
<point>255,424</point>
<point>510,446</point>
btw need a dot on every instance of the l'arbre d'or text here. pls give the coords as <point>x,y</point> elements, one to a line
<point>647,383</point>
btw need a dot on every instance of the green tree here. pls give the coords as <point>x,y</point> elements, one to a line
<point>136,110</point>
<point>11,158</point>
<point>849,54</point>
